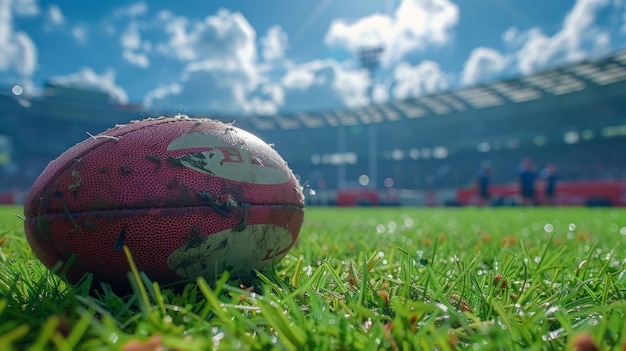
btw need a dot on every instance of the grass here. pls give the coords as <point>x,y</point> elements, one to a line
<point>359,279</point>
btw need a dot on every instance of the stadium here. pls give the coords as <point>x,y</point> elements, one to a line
<point>309,203</point>
<point>418,152</point>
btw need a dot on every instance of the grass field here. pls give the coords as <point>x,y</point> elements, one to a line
<point>359,279</point>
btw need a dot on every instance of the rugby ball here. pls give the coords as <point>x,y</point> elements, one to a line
<point>188,197</point>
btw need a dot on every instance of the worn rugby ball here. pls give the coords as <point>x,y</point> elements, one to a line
<point>188,197</point>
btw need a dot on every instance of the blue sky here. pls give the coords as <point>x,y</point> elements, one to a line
<point>265,57</point>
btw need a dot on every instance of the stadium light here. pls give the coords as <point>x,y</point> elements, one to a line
<point>369,57</point>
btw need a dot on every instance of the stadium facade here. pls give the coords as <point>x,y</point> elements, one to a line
<point>413,152</point>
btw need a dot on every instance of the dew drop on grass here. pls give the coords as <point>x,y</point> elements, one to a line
<point>367,325</point>
<point>622,230</point>
<point>548,228</point>
<point>571,227</point>
<point>408,222</point>
<point>113,337</point>
<point>380,228</point>
<point>442,307</point>
<point>525,231</point>
<point>392,225</point>
<point>552,309</point>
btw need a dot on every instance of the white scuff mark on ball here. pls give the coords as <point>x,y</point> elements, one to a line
<point>109,137</point>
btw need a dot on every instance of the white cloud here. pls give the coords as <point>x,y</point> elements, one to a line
<point>136,58</point>
<point>87,78</point>
<point>18,53</point>
<point>539,50</point>
<point>26,8</point>
<point>274,43</point>
<point>415,25</point>
<point>223,74</point>
<point>421,79</point>
<point>275,91</point>
<point>221,71</point>
<point>324,84</point>
<point>28,54</point>
<point>260,106</point>
<point>299,78</point>
<point>352,86</point>
<point>80,33</point>
<point>224,36</point>
<point>223,86</point>
<point>601,42</point>
<point>121,14</point>
<point>510,34</point>
<point>482,63</point>
<point>532,50</point>
<point>161,92</point>
<point>131,39</point>
<point>380,93</point>
<point>132,44</point>
<point>54,16</point>
<point>132,10</point>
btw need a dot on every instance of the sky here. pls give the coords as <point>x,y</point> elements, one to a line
<point>247,57</point>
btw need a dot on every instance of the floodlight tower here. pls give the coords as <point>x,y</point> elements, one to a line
<point>369,57</point>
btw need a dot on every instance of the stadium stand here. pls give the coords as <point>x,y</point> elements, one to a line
<point>413,152</point>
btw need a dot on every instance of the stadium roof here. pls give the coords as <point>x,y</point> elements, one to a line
<point>553,83</point>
